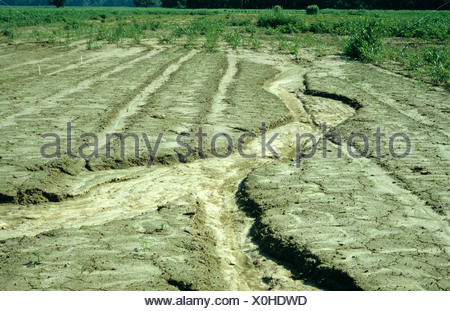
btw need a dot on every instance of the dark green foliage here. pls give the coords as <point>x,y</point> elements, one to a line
<point>262,4</point>
<point>9,33</point>
<point>57,3</point>
<point>301,4</point>
<point>277,8</point>
<point>312,9</point>
<point>145,3</point>
<point>179,4</point>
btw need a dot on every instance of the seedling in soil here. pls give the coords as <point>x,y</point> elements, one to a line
<point>256,44</point>
<point>262,214</point>
<point>245,199</point>
<point>161,228</point>
<point>38,258</point>
<point>258,232</point>
<point>36,261</point>
<point>234,39</point>
<point>144,246</point>
<point>166,39</point>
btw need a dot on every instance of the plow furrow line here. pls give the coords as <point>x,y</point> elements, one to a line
<point>82,85</point>
<point>140,99</point>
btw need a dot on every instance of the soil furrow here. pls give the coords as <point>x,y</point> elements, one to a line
<point>212,222</point>
<point>132,107</point>
<point>81,85</point>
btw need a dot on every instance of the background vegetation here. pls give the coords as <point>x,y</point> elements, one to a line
<point>261,4</point>
<point>415,43</point>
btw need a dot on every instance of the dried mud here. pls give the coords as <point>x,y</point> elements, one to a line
<point>203,222</point>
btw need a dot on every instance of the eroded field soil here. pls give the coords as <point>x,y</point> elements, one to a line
<point>203,222</point>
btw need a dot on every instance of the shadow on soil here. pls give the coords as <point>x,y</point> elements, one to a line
<point>296,258</point>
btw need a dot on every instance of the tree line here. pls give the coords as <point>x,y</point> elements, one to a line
<point>128,3</point>
<point>260,4</point>
<point>302,4</point>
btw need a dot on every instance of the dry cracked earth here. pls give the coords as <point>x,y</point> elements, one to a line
<point>339,221</point>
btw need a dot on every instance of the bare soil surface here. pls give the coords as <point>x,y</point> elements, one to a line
<point>208,222</point>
